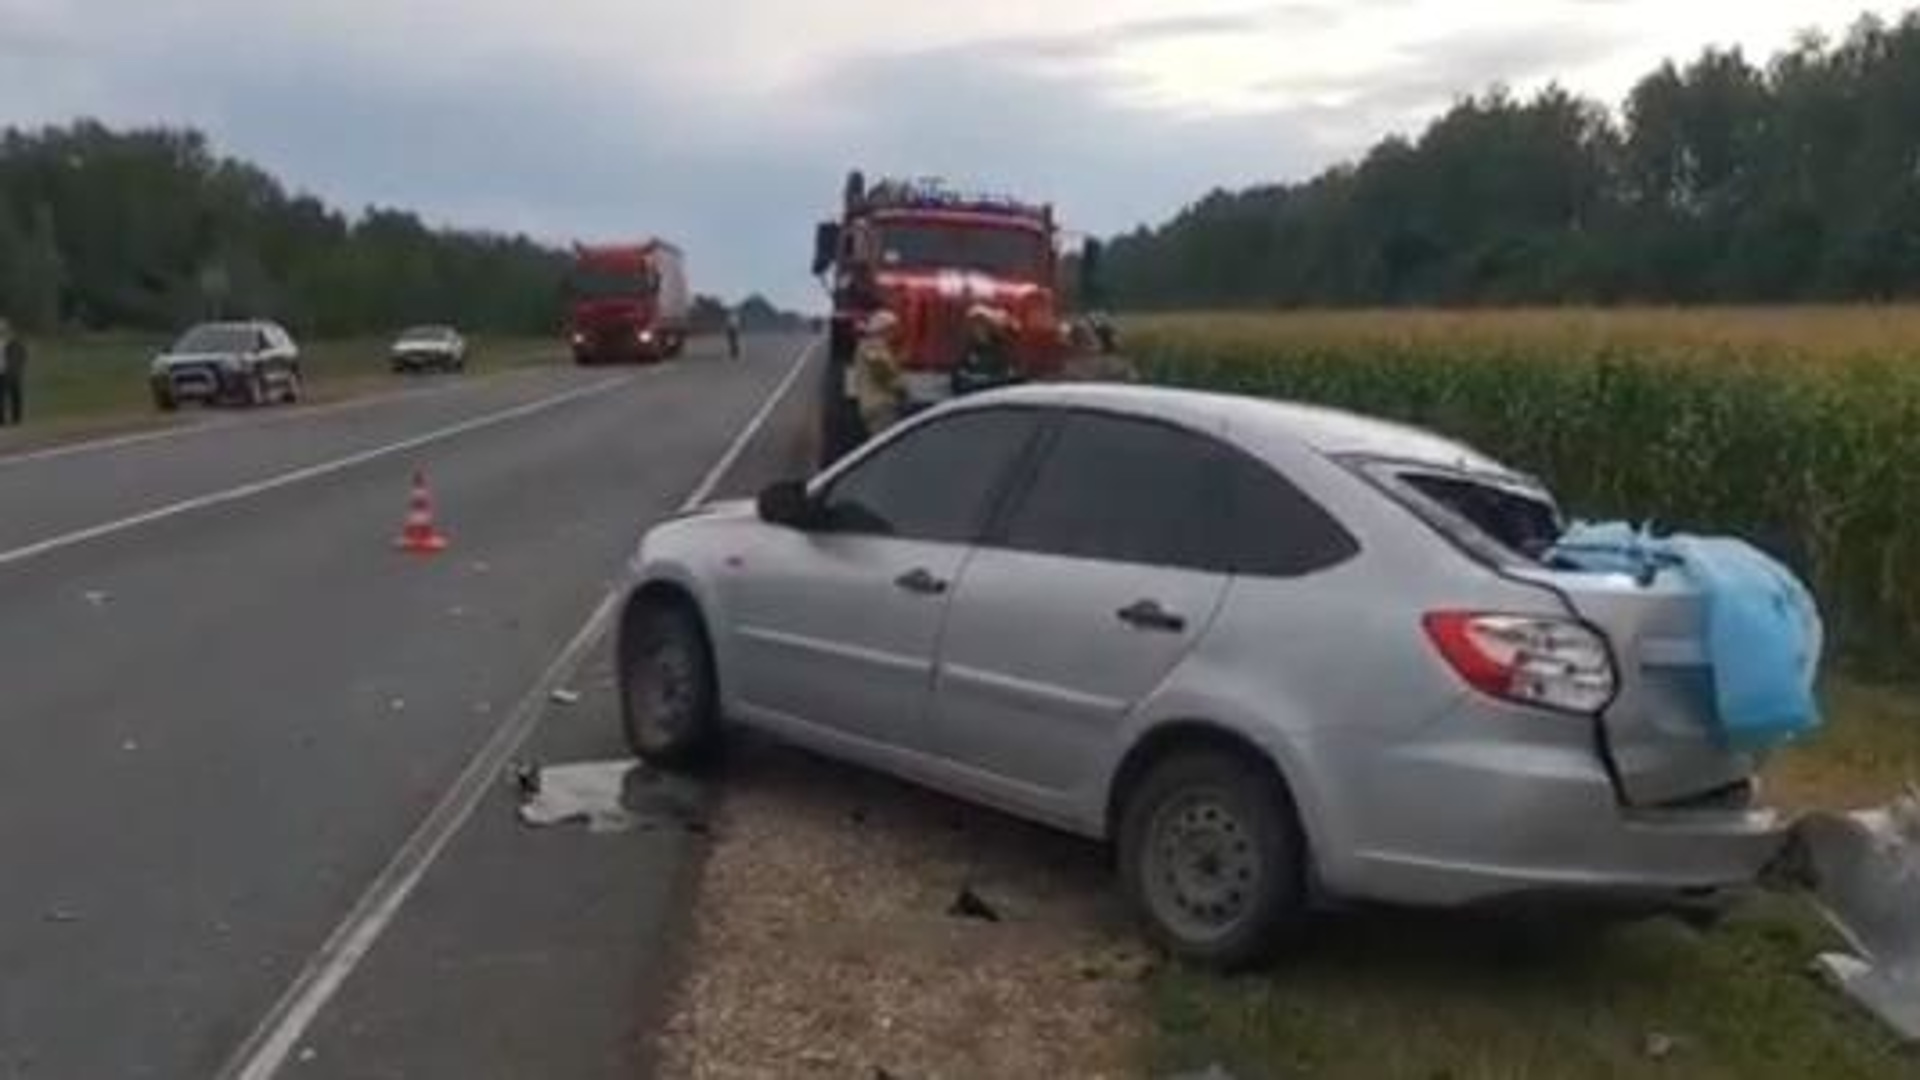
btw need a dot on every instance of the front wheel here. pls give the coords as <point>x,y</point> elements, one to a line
<point>1213,858</point>
<point>256,390</point>
<point>669,702</point>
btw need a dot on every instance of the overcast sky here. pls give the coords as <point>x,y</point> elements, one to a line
<point>728,124</point>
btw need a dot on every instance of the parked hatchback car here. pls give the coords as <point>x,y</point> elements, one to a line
<point>241,363</point>
<point>429,348</point>
<point>1276,654</point>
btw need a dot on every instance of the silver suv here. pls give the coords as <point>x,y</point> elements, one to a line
<point>243,363</point>
<point>1276,654</point>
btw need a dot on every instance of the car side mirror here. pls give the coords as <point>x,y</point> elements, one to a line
<point>826,246</point>
<point>787,503</point>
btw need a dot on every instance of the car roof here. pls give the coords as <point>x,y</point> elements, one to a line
<point>1327,431</point>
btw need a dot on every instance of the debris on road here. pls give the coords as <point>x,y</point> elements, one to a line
<point>607,796</point>
<point>592,792</point>
<point>98,597</point>
<point>563,696</point>
<point>130,745</point>
<point>525,778</point>
<point>306,1054</point>
<point>398,704</point>
<point>62,915</point>
<point>1863,869</point>
<point>969,905</point>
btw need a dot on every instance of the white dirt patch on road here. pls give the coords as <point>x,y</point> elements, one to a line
<point>826,947</point>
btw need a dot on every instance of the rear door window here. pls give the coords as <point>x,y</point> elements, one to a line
<point>1125,490</point>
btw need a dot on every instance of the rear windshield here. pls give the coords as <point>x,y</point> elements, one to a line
<point>1507,520</point>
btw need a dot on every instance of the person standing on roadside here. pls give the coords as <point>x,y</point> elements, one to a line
<point>876,373</point>
<point>13,375</point>
<point>733,333</point>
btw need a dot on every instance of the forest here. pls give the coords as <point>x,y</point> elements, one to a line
<point>1718,180</point>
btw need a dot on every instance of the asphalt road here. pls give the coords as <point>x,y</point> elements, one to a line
<point>226,704</point>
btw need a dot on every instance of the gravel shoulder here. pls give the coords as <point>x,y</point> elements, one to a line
<point>826,941</point>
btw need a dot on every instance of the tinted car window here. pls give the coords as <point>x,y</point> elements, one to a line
<point>933,483</point>
<point>1126,490</point>
<point>1277,531</point>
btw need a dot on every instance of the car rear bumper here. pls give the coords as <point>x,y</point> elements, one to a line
<point>1497,821</point>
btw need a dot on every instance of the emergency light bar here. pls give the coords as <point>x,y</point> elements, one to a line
<point>933,194</point>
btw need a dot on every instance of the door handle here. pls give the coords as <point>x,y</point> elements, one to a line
<point>1149,615</point>
<point>921,581</point>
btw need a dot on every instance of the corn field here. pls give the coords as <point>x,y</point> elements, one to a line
<point>1798,429</point>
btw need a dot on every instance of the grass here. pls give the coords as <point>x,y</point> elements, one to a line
<point>1419,996</point>
<point>1798,426</point>
<point>98,382</point>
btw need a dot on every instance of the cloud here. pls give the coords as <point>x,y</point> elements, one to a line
<point>728,125</point>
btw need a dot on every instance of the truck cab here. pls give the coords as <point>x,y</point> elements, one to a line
<point>626,302</point>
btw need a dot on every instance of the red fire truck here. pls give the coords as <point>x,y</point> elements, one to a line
<point>627,302</point>
<point>928,254</point>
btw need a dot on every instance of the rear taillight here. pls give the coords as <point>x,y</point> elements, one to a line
<point>1552,663</point>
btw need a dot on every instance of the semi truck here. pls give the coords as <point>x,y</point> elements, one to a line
<point>928,254</point>
<point>627,302</point>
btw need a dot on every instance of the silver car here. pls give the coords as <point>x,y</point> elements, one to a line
<point>428,348</point>
<point>1277,655</point>
<point>246,363</point>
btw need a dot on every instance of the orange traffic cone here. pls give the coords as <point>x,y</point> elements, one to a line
<point>419,536</point>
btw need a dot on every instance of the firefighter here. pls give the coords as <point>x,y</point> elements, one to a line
<point>876,373</point>
<point>987,361</point>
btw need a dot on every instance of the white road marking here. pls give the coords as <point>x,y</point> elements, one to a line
<point>300,475</point>
<point>256,420</point>
<point>266,1051</point>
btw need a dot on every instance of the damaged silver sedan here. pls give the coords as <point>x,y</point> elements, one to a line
<point>1277,655</point>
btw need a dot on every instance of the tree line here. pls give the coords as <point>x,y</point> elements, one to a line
<point>1719,180</point>
<point>151,229</point>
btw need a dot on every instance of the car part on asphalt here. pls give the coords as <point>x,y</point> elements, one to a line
<point>607,797</point>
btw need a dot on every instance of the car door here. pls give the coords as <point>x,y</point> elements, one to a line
<point>834,627</point>
<point>1099,578</point>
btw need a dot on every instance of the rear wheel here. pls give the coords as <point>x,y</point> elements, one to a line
<point>668,698</point>
<point>1212,856</point>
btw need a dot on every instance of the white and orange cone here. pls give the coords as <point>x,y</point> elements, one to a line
<point>419,536</point>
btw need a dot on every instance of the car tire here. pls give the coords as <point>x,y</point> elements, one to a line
<point>255,390</point>
<point>669,697</point>
<point>1213,858</point>
<point>293,390</point>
